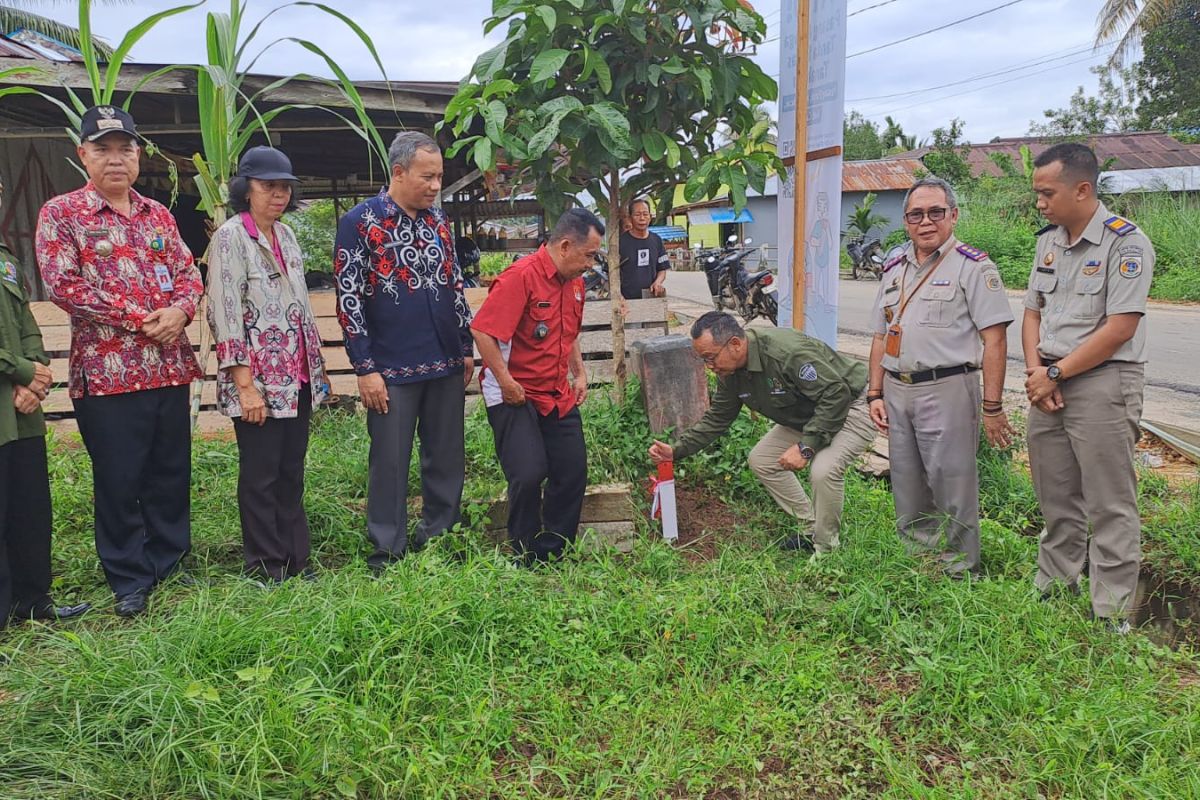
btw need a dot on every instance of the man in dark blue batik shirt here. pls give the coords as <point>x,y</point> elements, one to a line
<point>406,325</point>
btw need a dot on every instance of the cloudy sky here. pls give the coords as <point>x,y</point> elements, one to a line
<point>997,72</point>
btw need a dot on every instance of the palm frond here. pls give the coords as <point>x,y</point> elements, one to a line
<point>1127,21</point>
<point>13,18</point>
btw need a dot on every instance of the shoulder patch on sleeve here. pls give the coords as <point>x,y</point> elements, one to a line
<point>1046,229</point>
<point>1131,266</point>
<point>973,253</point>
<point>1120,226</point>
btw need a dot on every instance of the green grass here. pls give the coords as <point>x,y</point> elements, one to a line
<point>995,219</point>
<point>753,674</point>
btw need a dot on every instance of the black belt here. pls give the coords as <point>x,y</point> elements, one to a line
<point>924,376</point>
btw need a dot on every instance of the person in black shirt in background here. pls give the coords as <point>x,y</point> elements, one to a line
<point>644,260</point>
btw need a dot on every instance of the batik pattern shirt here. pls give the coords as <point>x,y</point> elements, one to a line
<point>109,272</point>
<point>400,292</point>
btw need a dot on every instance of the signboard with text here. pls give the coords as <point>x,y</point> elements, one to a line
<point>823,176</point>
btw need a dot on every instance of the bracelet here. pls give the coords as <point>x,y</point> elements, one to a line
<point>873,396</point>
<point>993,413</point>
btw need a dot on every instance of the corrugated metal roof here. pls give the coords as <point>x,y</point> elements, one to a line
<point>10,48</point>
<point>884,175</point>
<point>1147,150</point>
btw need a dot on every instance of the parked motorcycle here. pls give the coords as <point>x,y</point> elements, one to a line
<point>734,287</point>
<point>595,280</point>
<point>866,257</point>
<point>468,260</point>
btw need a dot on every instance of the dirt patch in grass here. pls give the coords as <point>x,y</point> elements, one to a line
<point>704,521</point>
<point>1175,467</point>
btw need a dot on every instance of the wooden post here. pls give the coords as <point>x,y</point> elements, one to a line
<point>614,283</point>
<point>800,166</point>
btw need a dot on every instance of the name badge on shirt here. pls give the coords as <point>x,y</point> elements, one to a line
<point>163,275</point>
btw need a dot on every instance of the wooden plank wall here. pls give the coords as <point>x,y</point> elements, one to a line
<point>645,319</point>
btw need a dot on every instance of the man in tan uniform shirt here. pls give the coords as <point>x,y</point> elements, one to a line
<point>1084,338</point>
<point>940,315</point>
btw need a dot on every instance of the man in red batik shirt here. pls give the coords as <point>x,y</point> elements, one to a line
<point>115,262</point>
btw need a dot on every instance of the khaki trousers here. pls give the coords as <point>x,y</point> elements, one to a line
<point>933,439</point>
<point>1081,458</point>
<point>827,470</point>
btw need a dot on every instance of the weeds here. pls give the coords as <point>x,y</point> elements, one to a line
<point>752,674</point>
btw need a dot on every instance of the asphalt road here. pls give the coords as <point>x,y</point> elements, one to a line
<point>1172,373</point>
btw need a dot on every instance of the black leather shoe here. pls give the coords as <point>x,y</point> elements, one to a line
<point>48,612</point>
<point>131,605</point>
<point>797,542</point>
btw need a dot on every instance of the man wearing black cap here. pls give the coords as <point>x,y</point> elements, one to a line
<point>115,262</point>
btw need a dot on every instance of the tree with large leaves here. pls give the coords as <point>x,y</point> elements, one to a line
<point>583,93</point>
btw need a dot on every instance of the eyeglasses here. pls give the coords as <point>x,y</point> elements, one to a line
<point>935,215</point>
<point>711,360</point>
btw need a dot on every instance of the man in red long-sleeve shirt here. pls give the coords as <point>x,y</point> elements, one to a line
<point>527,333</point>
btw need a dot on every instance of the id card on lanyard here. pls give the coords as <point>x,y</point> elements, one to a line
<point>891,343</point>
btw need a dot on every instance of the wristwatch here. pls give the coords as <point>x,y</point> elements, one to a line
<point>807,452</point>
<point>1054,373</point>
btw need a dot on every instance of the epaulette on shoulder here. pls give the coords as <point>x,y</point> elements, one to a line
<point>1120,226</point>
<point>1046,229</point>
<point>973,253</point>
<point>897,260</point>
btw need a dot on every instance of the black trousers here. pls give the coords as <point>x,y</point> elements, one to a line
<point>534,449</point>
<point>25,520</point>
<point>275,536</point>
<point>141,449</point>
<point>432,410</point>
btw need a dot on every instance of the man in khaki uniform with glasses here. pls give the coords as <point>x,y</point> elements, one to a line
<point>941,314</point>
<point>1084,337</point>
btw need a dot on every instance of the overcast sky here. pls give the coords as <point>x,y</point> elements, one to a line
<point>440,40</point>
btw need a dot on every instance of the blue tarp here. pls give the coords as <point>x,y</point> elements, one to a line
<point>726,215</point>
<point>708,216</point>
<point>669,233</point>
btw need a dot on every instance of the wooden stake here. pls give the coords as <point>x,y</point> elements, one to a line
<point>614,283</point>
<point>800,165</point>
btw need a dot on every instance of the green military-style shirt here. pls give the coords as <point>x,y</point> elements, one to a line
<point>790,378</point>
<point>20,347</point>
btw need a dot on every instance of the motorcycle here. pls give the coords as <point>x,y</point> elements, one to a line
<point>750,294</point>
<point>595,280</point>
<point>866,257</point>
<point>468,260</point>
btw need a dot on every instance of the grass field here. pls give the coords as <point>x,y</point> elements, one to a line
<point>727,671</point>
<point>989,222</point>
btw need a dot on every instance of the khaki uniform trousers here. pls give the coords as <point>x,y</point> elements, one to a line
<point>824,515</point>
<point>933,439</point>
<point>1081,458</point>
